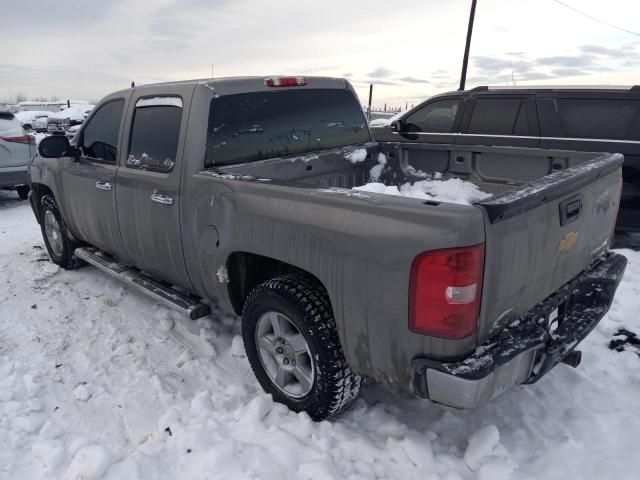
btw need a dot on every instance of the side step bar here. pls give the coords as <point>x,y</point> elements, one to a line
<point>189,304</point>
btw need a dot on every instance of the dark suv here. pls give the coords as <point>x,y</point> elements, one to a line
<point>592,119</point>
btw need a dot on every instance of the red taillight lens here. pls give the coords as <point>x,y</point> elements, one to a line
<point>444,292</point>
<point>285,81</point>
<point>28,139</point>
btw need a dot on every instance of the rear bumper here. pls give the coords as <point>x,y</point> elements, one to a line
<point>524,351</point>
<point>14,176</point>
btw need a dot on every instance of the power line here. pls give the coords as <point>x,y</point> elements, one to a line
<point>596,19</point>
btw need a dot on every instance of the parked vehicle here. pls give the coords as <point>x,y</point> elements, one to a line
<point>40,124</point>
<point>72,131</point>
<point>16,151</point>
<point>237,192</point>
<point>29,119</point>
<point>586,119</point>
<point>60,121</point>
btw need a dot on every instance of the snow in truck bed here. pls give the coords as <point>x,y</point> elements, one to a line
<point>452,190</point>
<point>99,382</point>
<point>434,187</point>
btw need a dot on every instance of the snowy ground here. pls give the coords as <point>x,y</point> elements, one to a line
<point>97,381</point>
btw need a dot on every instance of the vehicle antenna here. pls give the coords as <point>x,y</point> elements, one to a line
<point>465,59</point>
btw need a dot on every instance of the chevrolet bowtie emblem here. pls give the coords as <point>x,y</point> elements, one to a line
<point>568,242</point>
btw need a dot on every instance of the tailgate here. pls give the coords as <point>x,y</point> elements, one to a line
<point>541,235</point>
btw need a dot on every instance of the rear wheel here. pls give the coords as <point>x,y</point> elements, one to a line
<point>292,345</point>
<point>56,238</point>
<point>23,191</point>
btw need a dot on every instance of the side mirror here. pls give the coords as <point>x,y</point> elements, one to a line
<point>55,146</point>
<point>397,126</point>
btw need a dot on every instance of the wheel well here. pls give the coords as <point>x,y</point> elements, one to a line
<point>38,190</point>
<point>248,270</point>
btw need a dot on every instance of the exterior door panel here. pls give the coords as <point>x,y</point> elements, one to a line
<point>148,180</point>
<point>89,181</point>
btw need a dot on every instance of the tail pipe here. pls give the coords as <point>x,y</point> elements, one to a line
<point>573,358</point>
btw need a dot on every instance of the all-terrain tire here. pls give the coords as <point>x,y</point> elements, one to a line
<point>305,302</point>
<point>23,191</point>
<point>64,257</point>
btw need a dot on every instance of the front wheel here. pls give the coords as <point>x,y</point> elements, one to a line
<point>291,342</point>
<point>56,238</point>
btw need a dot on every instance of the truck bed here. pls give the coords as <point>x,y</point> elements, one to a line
<point>494,170</point>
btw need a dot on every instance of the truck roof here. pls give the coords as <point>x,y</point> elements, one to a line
<point>229,85</point>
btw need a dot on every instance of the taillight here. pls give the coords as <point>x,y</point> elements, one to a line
<point>285,81</point>
<point>444,292</point>
<point>28,139</point>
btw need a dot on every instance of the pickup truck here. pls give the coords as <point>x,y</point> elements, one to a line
<point>239,192</point>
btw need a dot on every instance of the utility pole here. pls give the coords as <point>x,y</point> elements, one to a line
<point>370,98</point>
<point>465,59</point>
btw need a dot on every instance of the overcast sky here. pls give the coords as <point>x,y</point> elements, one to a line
<point>83,49</point>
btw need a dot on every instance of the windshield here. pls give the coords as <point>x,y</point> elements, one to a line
<point>261,125</point>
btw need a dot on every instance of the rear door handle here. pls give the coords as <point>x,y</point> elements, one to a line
<point>103,185</point>
<point>161,198</point>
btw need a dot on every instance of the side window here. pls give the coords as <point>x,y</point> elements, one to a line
<point>100,135</point>
<point>437,117</point>
<point>499,116</point>
<point>596,118</point>
<point>155,133</point>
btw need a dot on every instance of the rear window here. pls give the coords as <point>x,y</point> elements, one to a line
<point>596,118</point>
<point>261,125</point>
<point>9,125</point>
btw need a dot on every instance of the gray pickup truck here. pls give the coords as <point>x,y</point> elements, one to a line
<point>239,192</point>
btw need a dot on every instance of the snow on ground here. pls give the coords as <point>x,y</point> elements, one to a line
<point>97,381</point>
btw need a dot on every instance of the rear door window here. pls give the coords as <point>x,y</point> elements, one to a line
<point>436,117</point>
<point>260,125</point>
<point>499,116</point>
<point>596,117</point>
<point>100,135</point>
<point>155,134</point>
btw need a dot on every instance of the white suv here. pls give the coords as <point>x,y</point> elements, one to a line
<point>16,151</point>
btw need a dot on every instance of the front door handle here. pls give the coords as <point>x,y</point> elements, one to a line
<point>161,198</point>
<point>103,185</point>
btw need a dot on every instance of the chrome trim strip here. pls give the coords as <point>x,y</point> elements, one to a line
<point>499,136</point>
<point>591,139</point>
<point>525,137</point>
<point>432,133</point>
